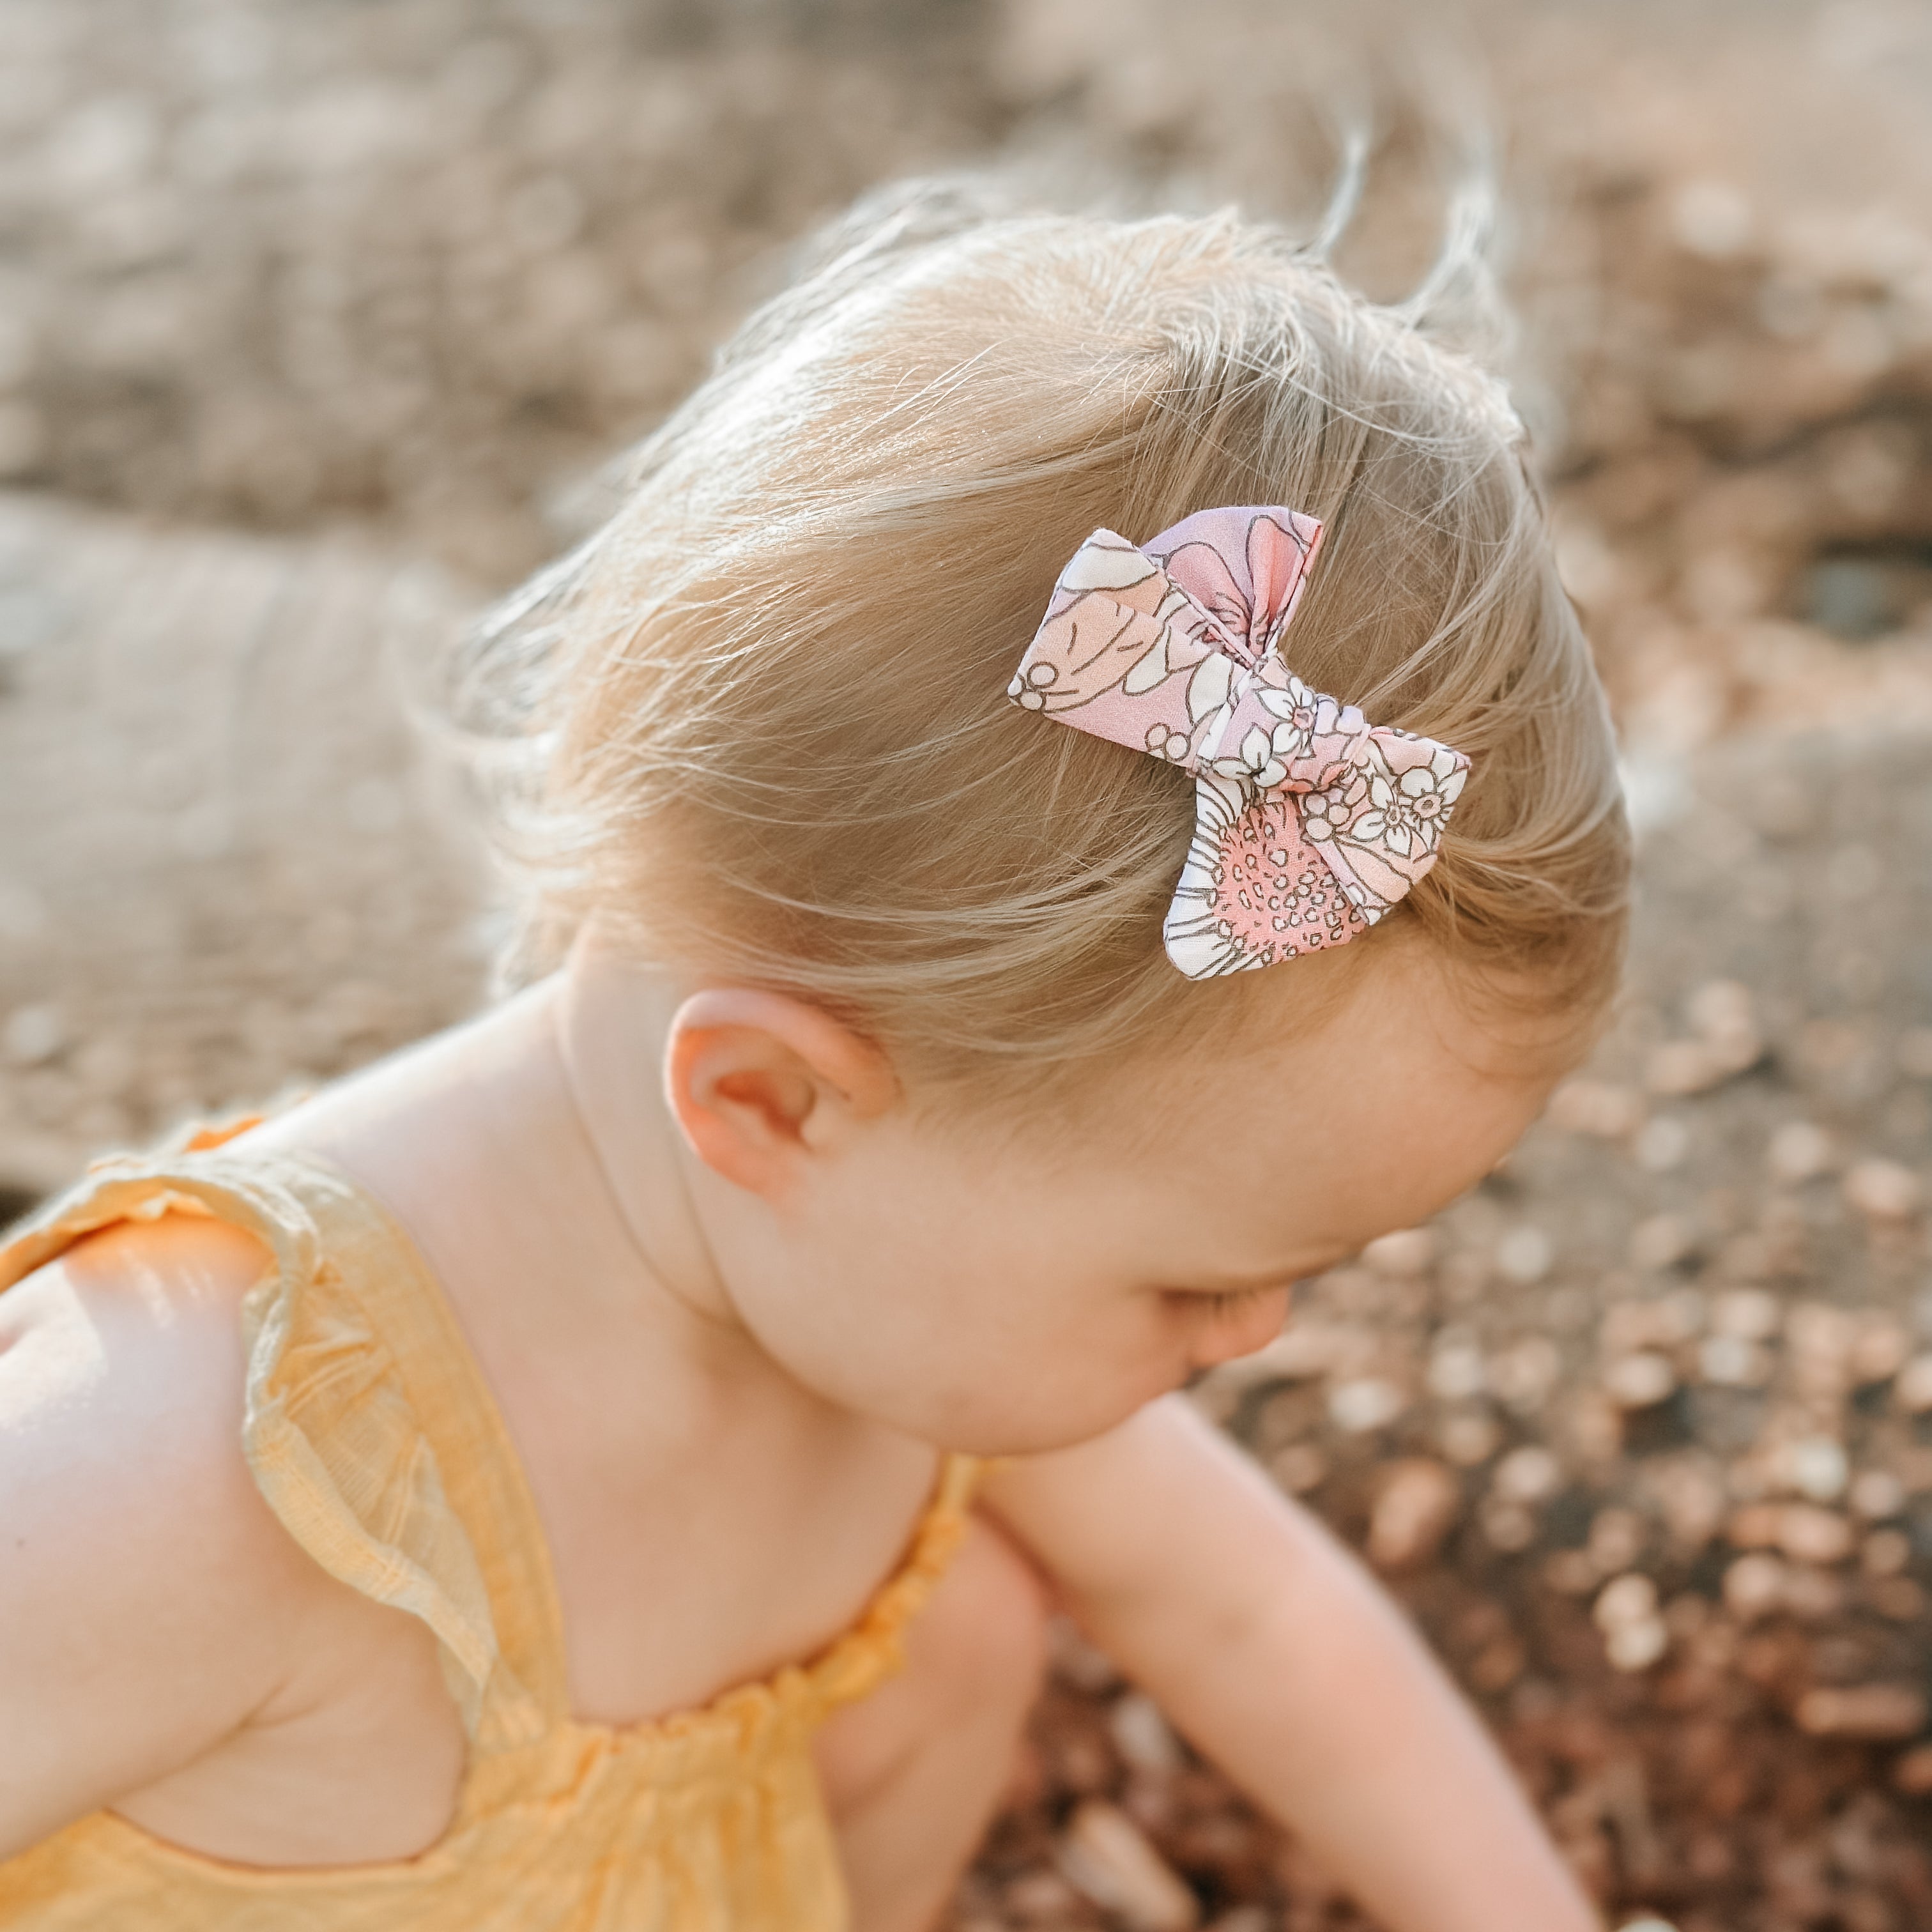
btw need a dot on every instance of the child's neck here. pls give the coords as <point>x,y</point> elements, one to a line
<point>530,1155</point>
<point>658,1437</point>
<point>606,1024</point>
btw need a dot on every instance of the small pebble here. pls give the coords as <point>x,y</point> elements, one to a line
<point>1628,1599</point>
<point>1469,1437</point>
<point>1799,1151</point>
<point>1879,1352</point>
<point>1680,1068</point>
<point>1617,1538</point>
<point>1636,1646</point>
<point>1640,1381</point>
<point>1456,1370</point>
<point>1528,1474</point>
<point>1876,1494</point>
<point>1729,1361</point>
<point>1754,1586</point>
<point>1042,1896</point>
<point>1661,1143</point>
<point>1662,1241</point>
<point>1882,1190</point>
<point>1913,1389</point>
<point>1886,1552</point>
<point>1142,1735</point>
<point>1415,1508</point>
<point>1877,1712</point>
<point>1104,1854</point>
<point>1912,1773</point>
<point>1594,1108</point>
<point>1244,1918</point>
<point>33,1035</point>
<point>1569,1572</point>
<point>1815,1466</point>
<point>1809,1534</point>
<point>1524,1255</point>
<point>1511,1528</point>
<point>1712,219</point>
<point>1524,1372</point>
<point>1748,1314</point>
<point>1368,1403</point>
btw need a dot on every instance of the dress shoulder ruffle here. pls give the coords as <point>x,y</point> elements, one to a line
<point>332,1438</point>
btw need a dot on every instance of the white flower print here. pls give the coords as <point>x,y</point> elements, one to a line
<point>1029,687</point>
<point>1262,760</point>
<point>1302,713</point>
<point>1207,688</point>
<point>1406,811</point>
<point>1330,812</point>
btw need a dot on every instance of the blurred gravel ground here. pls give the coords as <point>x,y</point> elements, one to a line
<point>224,865</point>
<point>314,324</point>
<point>1641,1430</point>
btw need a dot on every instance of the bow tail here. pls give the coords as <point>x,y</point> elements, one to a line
<point>1255,889</point>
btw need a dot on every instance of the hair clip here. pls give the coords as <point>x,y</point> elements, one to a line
<point>1309,822</point>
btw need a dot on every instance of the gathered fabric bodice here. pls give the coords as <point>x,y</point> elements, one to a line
<point>370,1430</point>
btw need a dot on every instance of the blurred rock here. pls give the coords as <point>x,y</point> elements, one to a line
<point>1530,1474</point>
<point>1799,1151</point>
<point>1883,1190</point>
<point>1882,1711</point>
<point>33,1035</point>
<point>1367,1403</point>
<point>1104,1853</point>
<point>1416,1506</point>
<point>1809,1534</point>
<point>1142,1735</point>
<point>1639,1381</point>
<point>1597,1107</point>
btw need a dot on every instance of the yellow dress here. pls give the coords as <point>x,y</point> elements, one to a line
<point>370,1430</point>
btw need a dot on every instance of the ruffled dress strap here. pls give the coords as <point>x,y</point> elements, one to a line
<point>874,1647</point>
<point>367,1426</point>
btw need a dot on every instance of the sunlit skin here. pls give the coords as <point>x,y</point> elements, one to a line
<point>1024,1297</point>
<point>732,1294</point>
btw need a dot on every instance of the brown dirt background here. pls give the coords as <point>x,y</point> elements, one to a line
<point>316,324</point>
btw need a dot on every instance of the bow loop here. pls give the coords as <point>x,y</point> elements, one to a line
<point>1309,821</point>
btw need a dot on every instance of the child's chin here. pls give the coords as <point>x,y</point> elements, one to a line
<point>1022,1435</point>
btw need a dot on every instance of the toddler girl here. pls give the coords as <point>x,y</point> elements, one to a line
<point>1067,797</point>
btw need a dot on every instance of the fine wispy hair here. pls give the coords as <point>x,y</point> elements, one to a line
<point>757,724</point>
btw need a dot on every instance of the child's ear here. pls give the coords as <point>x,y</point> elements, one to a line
<point>759,1083</point>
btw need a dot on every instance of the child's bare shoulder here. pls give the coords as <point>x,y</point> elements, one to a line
<point>149,1601</point>
<point>132,1336</point>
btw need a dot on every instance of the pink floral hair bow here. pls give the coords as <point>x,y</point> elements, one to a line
<point>1309,822</point>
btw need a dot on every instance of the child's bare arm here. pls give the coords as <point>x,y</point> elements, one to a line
<point>1273,1650</point>
<point>147,1598</point>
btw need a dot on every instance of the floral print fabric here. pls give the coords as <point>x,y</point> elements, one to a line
<point>1309,822</point>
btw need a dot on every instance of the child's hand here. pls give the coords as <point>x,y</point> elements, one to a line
<point>1274,1651</point>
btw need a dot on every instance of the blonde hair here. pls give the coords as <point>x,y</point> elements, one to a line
<point>759,720</point>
